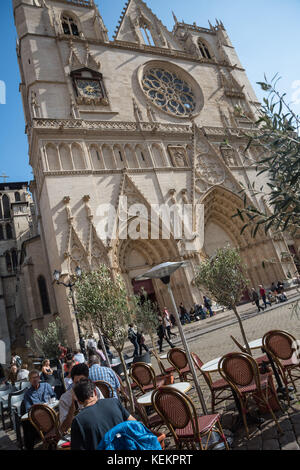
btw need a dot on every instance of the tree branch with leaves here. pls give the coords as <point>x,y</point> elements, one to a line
<point>102,299</point>
<point>223,276</point>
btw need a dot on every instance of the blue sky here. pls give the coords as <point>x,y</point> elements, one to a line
<point>265,33</point>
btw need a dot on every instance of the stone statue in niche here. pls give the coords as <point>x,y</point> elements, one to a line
<point>228,156</point>
<point>178,156</point>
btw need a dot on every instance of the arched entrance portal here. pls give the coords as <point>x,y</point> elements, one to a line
<point>221,229</point>
<point>138,256</point>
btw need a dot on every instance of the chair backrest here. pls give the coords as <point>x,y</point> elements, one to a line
<point>142,374</point>
<point>177,357</point>
<point>244,350</point>
<point>176,409</point>
<point>198,363</point>
<point>105,388</point>
<point>43,418</point>
<point>24,384</point>
<point>239,370</point>
<point>15,399</point>
<point>279,344</point>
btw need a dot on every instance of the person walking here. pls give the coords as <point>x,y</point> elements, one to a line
<point>167,323</point>
<point>207,305</point>
<point>161,333</point>
<point>141,342</point>
<point>255,299</point>
<point>133,339</point>
<point>263,295</point>
<point>183,314</point>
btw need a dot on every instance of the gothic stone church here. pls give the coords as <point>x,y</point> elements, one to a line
<point>154,115</point>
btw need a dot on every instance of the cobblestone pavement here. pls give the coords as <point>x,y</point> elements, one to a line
<point>210,344</point>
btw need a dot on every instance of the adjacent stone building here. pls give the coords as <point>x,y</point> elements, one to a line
<point>154,115</point>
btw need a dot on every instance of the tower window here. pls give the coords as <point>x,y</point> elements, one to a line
<point>17,196</point>
<point>14,259</point>
<point>9,234</point>
<point>204,50</point>
<point>44,295</point>
<point>121,158</point>
<point>147,35</point>
<point>8,262</point>
<point>69,26</point>
<point>1,233</point>
<point>6,206</point>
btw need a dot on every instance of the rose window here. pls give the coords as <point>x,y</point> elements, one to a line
<point>169,92</point>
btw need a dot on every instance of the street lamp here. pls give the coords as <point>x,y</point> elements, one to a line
<point>163,272</point>
<point>70,286</point>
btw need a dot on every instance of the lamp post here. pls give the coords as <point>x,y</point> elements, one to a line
<point>164,272</point>
<point>70,286</point>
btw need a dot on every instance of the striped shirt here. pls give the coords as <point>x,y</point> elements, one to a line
<point>105,374</point>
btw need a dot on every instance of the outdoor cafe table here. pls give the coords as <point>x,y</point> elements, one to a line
<point>211,366</point>
<point>163,356</point>
<point>51,405</point>
<point>145,400</point>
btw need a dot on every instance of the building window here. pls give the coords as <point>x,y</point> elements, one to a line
<point>1,233</point>
<point>8,262</point>
<point>17,197</point>
<point>9,234</point>
<point>69,26</point>
<point>204,50</point>
<point>5,207</point>
<point>14,257</point>
<point>44,295</point>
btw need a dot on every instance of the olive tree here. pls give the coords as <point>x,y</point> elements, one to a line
<point>102,300</point>
<point>223,276</point>
<point>277,144</point>
<point>45,342</point>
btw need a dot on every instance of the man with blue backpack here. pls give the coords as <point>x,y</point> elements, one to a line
<point>105,422</point>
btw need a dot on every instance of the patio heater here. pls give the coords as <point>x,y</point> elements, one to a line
<point>163,272</point>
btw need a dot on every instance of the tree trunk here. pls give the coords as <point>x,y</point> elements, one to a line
<point>104,348</point>
<point>132,407</point>
<point>156,353</point>
<point>242,329</point>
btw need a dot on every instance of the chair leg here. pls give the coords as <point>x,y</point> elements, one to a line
<point>222,434</point>
<point>245,422</point>
<point>273,415</point>
<point>213,402</point>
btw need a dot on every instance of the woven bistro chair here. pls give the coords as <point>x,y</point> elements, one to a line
<point>260,360</point>
<point>177,357</point>
<point>105,388</point>
<point>180,416</point>
<point>220,389</point>
<point>144,376</point>
<point>242,374</point>
<point>279,345</point>
<point>45,420</point>
<point>163,369</point>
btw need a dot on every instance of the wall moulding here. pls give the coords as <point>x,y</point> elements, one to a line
<point>114,126</point>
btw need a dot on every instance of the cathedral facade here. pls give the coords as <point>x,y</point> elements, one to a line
<point>155,116</point>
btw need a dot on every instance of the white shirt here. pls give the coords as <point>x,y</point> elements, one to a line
<point>65,403</point>
<point>23,374</point>
<point>91,343</point>
<point>79,357</point>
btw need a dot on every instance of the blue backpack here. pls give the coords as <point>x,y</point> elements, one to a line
<point>130,435</point>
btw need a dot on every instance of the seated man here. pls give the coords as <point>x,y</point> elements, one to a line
<point>96,418</point>
<point>106,374</point>
<point>68,404</point>
<point>37,393</point>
